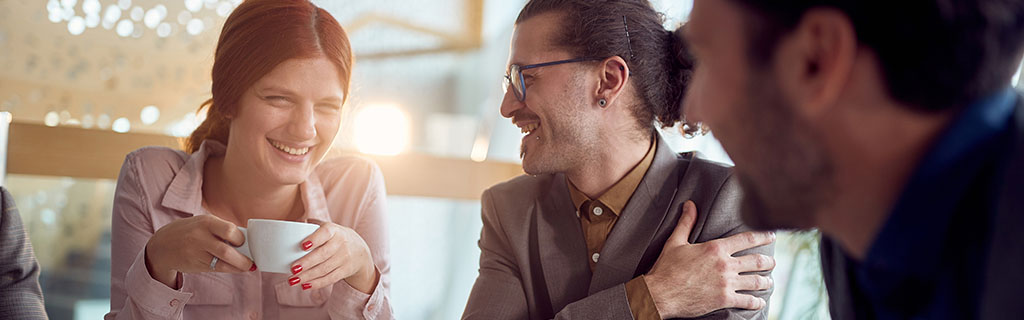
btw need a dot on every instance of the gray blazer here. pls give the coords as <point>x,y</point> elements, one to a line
<point>534,261</point>
<point>20,296</point>
<point>1004,277</point>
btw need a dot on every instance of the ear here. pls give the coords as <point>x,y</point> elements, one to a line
<point>814,62</point>
<point>614,74</point>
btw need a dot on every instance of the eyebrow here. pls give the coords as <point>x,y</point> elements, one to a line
<point>274,89</point>
<point>331,99</point>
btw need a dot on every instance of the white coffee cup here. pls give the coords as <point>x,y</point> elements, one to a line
<point>274,245</point>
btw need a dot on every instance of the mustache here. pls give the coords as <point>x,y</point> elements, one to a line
<point>520,116</point>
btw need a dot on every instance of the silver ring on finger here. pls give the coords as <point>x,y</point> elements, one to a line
<point>213,263</point>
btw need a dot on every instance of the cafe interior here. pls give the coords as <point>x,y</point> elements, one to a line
<point>84,82</point>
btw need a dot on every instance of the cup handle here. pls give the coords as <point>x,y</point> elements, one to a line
<point>244,248</point>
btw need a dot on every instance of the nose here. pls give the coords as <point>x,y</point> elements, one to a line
<point>302,125</point>
<point>510,104</point>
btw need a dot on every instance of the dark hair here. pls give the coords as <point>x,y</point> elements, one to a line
<point>598,28</point>
<point>934,54</point>
<point>257,36</point>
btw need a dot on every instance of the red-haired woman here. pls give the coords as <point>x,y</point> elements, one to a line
<point>280,77</point>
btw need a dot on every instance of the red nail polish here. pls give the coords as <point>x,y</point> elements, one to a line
<point>293,281</point>
<point>306,245</point>
<point>253,268</point>
<point>296,269</point>
<point>306,286</point>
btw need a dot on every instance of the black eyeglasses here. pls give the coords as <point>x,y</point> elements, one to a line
<point>514,78</point>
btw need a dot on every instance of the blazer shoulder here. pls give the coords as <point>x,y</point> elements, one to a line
<point>521,188</point>
<point>511,198</point>
<point>704,172</point>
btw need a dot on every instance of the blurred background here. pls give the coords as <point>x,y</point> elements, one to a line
<point>83,82</point>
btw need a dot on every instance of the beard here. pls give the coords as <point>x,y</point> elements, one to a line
<point>567,137</point>
<point>785,172</point>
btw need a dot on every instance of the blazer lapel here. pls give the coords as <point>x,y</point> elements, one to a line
<point>834,273</point>
<point>561,248</point>
<point>638,222</point>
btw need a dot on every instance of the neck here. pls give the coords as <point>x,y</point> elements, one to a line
<point>875,148</point>
<point>613,160</point>
<point>231,192</point>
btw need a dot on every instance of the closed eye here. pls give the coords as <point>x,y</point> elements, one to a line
<point>330,106</point>
<point>527,79</point>
<point>278,101</point>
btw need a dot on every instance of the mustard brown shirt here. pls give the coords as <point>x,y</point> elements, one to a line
<point>598,217</point>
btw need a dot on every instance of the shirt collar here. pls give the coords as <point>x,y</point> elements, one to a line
<point>910,241</point>
<point>185,193</point>
<point>618,195</point>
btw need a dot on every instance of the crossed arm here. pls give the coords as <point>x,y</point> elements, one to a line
<point>689,280</point>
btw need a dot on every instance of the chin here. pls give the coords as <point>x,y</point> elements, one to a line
<point>543,165</point>
<point>529,167</point>
<point>534,166</point>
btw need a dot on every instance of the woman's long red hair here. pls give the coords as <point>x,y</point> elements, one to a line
<point>259,35</point>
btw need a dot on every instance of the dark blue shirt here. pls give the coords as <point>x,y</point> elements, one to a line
<point>928,259</point>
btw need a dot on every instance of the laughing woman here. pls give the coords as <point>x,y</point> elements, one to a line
<point>280,77</point>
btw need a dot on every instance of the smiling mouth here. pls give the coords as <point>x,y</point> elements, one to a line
<point>529,128</point>
<point>289,150</point>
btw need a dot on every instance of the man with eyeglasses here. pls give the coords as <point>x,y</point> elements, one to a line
<point>610,223</point>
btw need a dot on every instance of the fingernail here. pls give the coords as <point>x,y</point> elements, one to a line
<point>252,268</point>
<point>293,281</point>
<point>773,234</point>
<point>296,269</point>
<point>306,245</point>
<point>306,286</point>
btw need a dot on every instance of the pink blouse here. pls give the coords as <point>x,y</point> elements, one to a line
<point>159,185</point>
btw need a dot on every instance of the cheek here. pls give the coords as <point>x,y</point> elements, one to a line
<point>255,118</point>
<point>327,126</point>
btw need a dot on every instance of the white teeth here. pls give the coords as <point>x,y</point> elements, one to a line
<point>527,129</point>
<point>289,150</point>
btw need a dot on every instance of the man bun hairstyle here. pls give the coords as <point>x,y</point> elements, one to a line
<point>660,68</point>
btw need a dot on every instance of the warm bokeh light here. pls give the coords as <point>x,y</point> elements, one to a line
<point>381,129</point>
<point>149,115</point>
<point>121,125</point>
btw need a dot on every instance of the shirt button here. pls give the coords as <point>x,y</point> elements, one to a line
<point>316,296</point>
<point>370,308</point>
<point>598,211</point>
<point>595,257</point>
<point>174,302</point>
<point>254,315</point>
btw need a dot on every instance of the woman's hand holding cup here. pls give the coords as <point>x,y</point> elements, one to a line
<point>189,246</point>
<point>336,253</point>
